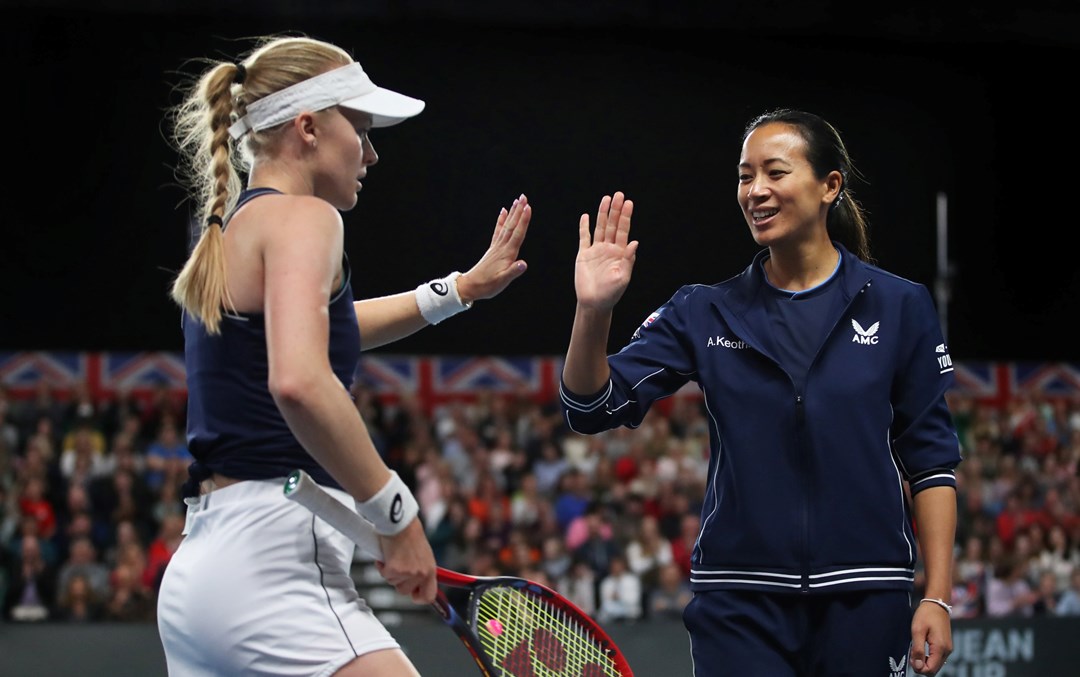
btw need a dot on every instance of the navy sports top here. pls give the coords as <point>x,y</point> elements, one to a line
<point>233,424</point>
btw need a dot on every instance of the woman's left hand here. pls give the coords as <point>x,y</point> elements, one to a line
<point>500,265</point>
<point>932,627</point>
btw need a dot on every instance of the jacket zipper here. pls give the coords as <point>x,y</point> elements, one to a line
<point>804,456</point>
<point>800,429</point>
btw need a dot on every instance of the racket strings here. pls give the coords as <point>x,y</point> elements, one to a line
<point>529,637</point>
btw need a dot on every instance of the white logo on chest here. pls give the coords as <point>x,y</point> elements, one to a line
<point>866,337</point>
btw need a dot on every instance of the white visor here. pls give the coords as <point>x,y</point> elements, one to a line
<point>347,86</point>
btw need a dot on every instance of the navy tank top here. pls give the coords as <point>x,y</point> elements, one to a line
<point>233,424</point>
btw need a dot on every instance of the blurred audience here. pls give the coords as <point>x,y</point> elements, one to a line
<point>90,509</point>
<point>79,602</point>
<point>670,596</point>
<point>1069,604</point>
<point>31,590</point>
<point>620,593</point>
<point>83,562</point>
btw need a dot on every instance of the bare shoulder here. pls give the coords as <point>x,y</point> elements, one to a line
<point>282,215</point>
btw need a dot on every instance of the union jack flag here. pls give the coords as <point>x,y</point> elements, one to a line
<point>24,370</point>
<point>981,380</point>
<point>1048,378</point>
<point>130,372</point>
<point>389,374</point>
<point>436,379</point>
<point>501,374</point>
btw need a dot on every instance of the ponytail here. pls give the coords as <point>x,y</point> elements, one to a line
<point>202,135</point>
<point>200,287</point>
<point>847,224</point>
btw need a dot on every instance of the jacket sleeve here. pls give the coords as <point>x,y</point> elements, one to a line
<point>923,433</point>
<point>653,365</point>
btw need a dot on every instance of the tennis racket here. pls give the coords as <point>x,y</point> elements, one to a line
<point>511,626</point>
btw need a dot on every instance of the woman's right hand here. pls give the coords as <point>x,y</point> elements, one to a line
<point>605,257</point>
<point>408,563</point>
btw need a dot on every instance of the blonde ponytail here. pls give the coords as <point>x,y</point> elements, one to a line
<point>201,129</point>
<point>200,287</point>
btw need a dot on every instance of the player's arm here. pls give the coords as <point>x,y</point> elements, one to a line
<point>605,260</point>
<point>935,519</point>
<point>387,319</point>
<point>299,275</point>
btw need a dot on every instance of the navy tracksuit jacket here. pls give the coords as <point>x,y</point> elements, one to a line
<point>805,489</point>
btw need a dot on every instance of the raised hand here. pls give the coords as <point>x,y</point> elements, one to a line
<point>605,257</point>
<point>500,265</point>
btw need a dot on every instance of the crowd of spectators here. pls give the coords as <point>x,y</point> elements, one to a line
<point>90,507</point>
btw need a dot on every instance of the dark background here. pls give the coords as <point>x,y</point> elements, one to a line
<point>564,101</point>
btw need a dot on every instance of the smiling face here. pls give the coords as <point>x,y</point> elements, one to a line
<point>783,202</point>
<point>344,154</point>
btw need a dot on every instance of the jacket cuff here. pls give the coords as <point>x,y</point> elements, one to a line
<point>585,403</point>
<point>935,477</point>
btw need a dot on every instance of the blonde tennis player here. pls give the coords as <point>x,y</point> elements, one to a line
<point>272,340</point>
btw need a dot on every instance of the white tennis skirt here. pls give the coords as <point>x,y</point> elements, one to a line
<point>259,586</point>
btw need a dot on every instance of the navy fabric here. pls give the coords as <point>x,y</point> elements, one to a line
<point>233,424</point>
<point>855,634</point>
<point>799,323</point>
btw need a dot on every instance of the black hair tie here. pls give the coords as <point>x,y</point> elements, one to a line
<point>241,74</point>
<point>215,219</point>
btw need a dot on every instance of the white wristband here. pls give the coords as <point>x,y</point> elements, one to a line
<point>940,602</point>
<point>439,299</point>
<point>391,509</point>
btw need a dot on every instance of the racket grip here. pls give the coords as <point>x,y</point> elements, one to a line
<point>301,488</point>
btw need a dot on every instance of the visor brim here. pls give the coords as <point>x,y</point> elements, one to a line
<point>385,106</point>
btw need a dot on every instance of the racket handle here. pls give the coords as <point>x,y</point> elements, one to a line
<point>301,488</point>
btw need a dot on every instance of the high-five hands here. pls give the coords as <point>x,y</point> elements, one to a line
<point>500,265</point>
<point>605,257</point>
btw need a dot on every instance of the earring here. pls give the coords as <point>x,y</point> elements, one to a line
<point>314,142</point>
